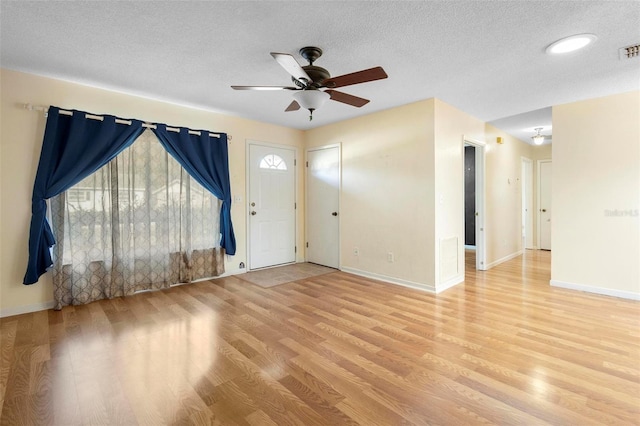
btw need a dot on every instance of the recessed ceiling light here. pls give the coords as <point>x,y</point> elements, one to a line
<point>571,43</point>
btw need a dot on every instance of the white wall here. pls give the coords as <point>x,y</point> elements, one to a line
<point>596,172</point>
<point>21,140</point>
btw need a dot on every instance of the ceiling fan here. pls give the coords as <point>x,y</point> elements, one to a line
<point>314,85</point>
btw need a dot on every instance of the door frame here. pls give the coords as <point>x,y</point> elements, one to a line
<point>538,215</point>
<point>526,179</point>
<point>306,194</point>
<point>481,241</point>
<point>247,208</point>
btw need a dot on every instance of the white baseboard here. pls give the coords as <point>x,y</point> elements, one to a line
<point>231,272</point>
<point>26,309</point>
<point>504,259</point>
<point>450,283</point>
<point>390,280</point>
<point>597,290</point>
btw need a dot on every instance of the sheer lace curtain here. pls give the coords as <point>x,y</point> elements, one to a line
<point>139,223</point>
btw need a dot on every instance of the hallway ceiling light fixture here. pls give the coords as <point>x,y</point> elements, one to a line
<point>570,44</point>
<point>538,139</point>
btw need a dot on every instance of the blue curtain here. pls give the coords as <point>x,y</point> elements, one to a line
<point>73,148</point>
<point>207,161</point>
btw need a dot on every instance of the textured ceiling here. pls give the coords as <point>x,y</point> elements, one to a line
<point>485,58</point>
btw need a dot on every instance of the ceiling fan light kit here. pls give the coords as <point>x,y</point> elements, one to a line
<point>311,99</point>
<point>309,80</point>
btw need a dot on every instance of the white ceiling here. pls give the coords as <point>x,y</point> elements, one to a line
<point>484,57</point>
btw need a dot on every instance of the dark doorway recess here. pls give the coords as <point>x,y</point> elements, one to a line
<point>469,196</point>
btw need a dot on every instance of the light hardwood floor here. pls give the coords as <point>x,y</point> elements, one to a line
<point>502,348</point>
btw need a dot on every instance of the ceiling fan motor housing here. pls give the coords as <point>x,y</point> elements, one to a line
<point>310,53</point>
<point>317,75</point>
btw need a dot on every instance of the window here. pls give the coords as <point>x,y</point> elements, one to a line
<point>79,194</point>
<point>272,161</point>
<point>140,222</point>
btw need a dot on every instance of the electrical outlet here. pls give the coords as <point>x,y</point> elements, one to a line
<point>356,251</point>
<point>390,258</point>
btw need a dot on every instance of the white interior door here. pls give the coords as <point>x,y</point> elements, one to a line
<point>272,227</point>
<point>323,195</point>
<point>480,234</point>
<point>527,203</point>
<point>544,206</point>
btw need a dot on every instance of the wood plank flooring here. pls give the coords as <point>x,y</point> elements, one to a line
<point>502,348</point>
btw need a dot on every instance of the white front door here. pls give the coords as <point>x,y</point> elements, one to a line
<point>323,194</point>
<point>272,226</point>
<point>544,208</point>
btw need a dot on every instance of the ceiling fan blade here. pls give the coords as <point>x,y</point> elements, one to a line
<point>292,66</point>
<point>357,77</point>
<point>263,88</point>
<point>293,106</point>
<point>346,98</point>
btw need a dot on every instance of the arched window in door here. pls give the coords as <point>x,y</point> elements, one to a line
<point>272,161</point>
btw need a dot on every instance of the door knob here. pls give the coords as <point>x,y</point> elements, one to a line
<point>253,213</point>
<point>544,210</point>
<point>334,214</point>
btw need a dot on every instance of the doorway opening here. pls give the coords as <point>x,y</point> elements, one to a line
<point>469,197</point>
<point>474,200</point>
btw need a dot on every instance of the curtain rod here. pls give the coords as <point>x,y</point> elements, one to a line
<point>44,109</point>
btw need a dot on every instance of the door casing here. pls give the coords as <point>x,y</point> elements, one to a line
<point>527,202</point>
<point>539,201</point>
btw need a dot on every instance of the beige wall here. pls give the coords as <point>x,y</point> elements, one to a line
<point>504,194</point>
<point>402,191</point>
<point>386,202</point>
<point>402,185</point>
<point>541,152</point>
<point>451,125</point>
<point>21,139</point>
<point>596,170</point>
